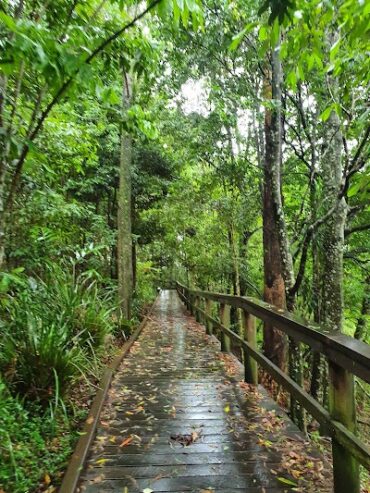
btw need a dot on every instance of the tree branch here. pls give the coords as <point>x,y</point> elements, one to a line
<point>355,229</point>
<point>63,88</point>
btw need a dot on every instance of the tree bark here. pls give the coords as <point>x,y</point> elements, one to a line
<point>341,382</point>
<point>275,343</point>
<point>124,243</point>
<point>332,231</point>
<point>365,311</point>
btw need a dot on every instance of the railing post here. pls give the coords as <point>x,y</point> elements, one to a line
<point>209,326</point>
<point>196,306</point>
<point>343,408</point>
<point>250,365</point>
<point>191,300</point>
<point>225,321</point>
<point>188,300</point>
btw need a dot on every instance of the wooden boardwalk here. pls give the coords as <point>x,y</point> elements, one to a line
<point>178,418</point>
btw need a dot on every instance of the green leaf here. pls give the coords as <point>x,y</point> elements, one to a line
<point>291,80</point>
<point>192,5</point>
<point>286,481</point>
<point>334,49</point>
<point>164,9</point>
<point>326,113</point>
<point>176,14</point>
<point>8,21</point>
<point>263,33</point>
<point>185,16</point>
<point>41,54</point>
<point>237,39</point>
<point>275,32</point>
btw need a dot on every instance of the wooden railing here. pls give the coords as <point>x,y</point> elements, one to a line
<point>347,357</point>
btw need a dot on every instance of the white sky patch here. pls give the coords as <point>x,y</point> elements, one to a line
<point>244,121</point>
<point>146,31</point>
<point>309,102</point>
<point>194,97</point>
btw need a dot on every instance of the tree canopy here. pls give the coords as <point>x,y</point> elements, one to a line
<point>221,143</point>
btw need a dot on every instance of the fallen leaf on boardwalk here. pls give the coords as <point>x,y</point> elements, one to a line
<point>47,479</point>
<point>126,442</point>
<point>227,408</point>
<point>194,436</point>
<point>264,443</point>
<point>97,479</point>
<point>186,440</point>
<point>147,490</point>
<point>296,474</point>
<point>101,461</point>
<point>90,420</point>
<point>287,481</point>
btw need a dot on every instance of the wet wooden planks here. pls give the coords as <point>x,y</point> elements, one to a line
<point>175,421</point>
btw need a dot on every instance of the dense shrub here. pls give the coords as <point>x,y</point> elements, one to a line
<point>53,330</point>
<point>29,452</point>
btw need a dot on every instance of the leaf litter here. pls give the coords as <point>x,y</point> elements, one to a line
<point>152,383</point>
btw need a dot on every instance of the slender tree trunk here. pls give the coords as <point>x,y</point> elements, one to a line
<point>365,311</point>
<point>332,231</point>
<point>316,288</point>
<point>234,246</point>
<point>275,161</point>
<point>275,343</point>
<point>341,382</point>
<point>295,358</point>
<point>4,146</point>
<point>2,214</point>
<point>124,244</point>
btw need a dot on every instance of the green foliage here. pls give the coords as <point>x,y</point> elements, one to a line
<point>29,450</point>
<point>52,329</point>
<point>200,74</point>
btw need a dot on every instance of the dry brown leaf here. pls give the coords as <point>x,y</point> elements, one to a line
<point>126,442</point>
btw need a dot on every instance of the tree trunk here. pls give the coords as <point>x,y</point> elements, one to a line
<point>365,311</point>
<point>341,382</point>
<point>4,148</point>
<point>316,362</point>
<point>275,343</point>
<point>332,231</point>
<point>2,215</point>
<point>124,243</point>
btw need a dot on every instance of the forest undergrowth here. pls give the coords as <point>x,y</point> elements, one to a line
<point>58,333</point>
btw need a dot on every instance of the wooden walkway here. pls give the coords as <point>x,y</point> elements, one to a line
<point>178,418</point>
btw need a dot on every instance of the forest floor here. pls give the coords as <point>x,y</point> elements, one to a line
<point>179,418</point>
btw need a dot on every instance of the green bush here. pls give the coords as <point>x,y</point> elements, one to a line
<point>29,451</point>
<point>146,288</point>
<point>52,331</point>
<point>45,359</point>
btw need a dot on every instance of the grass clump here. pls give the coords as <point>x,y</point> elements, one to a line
<point>34,445</point>
<point>55,333</point>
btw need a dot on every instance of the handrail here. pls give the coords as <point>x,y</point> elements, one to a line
<point>347,352</point>
<point>345,356</point>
